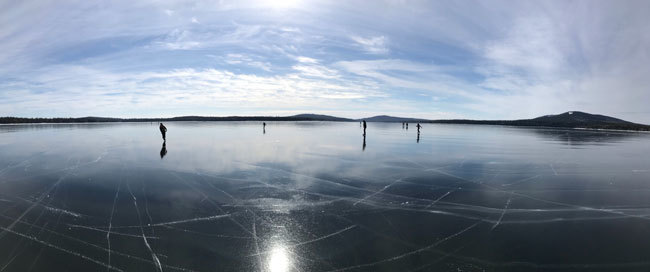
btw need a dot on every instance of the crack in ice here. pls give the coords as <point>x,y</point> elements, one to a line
<point>144,238</point>
<point>410,252</point>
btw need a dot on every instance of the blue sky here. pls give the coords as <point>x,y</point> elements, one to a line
<point>431,59</point>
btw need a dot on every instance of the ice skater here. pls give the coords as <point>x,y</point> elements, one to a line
<point>407,126</point>
<point>418,126</point>
<point>263,127</point>
<point>163,131</point>
<point>364,128</point>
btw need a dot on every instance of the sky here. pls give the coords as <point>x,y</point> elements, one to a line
<point>427,59</point>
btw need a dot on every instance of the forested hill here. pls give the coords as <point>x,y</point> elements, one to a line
<point>570,119</point>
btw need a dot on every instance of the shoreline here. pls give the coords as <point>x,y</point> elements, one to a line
<point>488,123</point>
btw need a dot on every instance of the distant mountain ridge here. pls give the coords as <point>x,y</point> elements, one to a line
<point>321,117</point>
<point>393,119</point>
<point>578,117</point>
<point>570,119</point>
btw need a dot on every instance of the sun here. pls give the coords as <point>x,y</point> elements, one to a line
<point>283,4</point>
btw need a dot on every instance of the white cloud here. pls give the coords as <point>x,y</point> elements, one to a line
<point>181,40</point>
<point>532,44</point>
<point>80,89</point>
<point>247,60</point>
<point>373,45</point>
<point>410,75</point>
<point>316,71</point>
<point>306,59</point>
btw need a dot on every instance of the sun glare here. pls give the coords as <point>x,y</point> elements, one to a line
<point>279,260</point>
<point>283,4</point>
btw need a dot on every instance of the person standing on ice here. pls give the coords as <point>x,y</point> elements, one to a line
<point>163,131</point>
<point>364,127</point>
<point>418,126</point>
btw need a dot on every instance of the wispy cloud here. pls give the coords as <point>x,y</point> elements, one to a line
<point>306,60</point>
<point>373,45</point>
<point>246,60</point>
<point>78,89</point>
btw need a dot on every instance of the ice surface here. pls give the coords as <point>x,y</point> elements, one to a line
<point>316,196</point>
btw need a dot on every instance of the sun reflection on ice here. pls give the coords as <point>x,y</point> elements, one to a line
<point>279,260</point>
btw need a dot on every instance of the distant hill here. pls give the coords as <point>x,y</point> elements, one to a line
<point>386,118</point>
<point>320,117</point>
<point>578,119</point>
<point>571,119</point>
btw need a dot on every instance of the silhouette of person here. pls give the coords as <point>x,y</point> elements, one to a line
<point>418,126</point>
<point>263,127</point>
<point>364,128</point>
<point>163,130</point>
<point>163,150</point>
<point>407,126</point>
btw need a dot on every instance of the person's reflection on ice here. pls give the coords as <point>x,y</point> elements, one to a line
<point>163,150</point>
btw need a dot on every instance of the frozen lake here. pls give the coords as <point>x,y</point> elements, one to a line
<point>313,196</point>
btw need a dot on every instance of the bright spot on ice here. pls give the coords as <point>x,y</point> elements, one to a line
<point>279,260</point>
